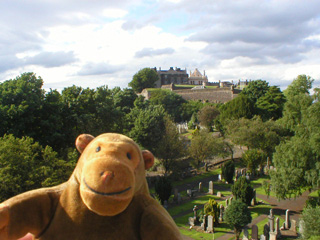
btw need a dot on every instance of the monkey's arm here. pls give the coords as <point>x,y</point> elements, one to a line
<point>28,212</point>
<point>156,223</point>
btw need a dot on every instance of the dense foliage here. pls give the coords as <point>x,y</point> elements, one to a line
<point>242,190</point>
<point>211,208</point>
<point>145,78</point>
<point>227,171</point>
<point>237,215</point>
<point>163,188</point>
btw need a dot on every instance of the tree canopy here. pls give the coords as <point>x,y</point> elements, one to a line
<point>145,78</point>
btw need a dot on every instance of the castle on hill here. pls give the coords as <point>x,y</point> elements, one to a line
<point>196,86</point>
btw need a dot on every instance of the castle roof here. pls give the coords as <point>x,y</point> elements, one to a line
<point>196,73</point>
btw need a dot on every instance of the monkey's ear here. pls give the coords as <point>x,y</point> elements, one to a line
<point>148,159</point>
<point>82,141</point>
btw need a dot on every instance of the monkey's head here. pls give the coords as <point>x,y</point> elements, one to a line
<point>110,170</point>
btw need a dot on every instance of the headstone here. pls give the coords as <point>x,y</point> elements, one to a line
<point>245,234</point>
<point>301,227</point>
<point>277,229</point>
<point>227,202</point>
<point>272,236</point>
<point>236,174</point>
<point>200,186</point>
<point>287,221</point>
<point>219,178</point>
<point>175,192</point>
<point>219,194</point>
<point>230,199</point>
<point>221,213</point>
<point>293,226</point>
<point>210,224</point>
<point>262,237</point>
<point>165,204</point>
<point>189,192</point>
<point>204,223</point>
<point>271,221</point>
<point>252,202</point>
<point>191,221</point>
<point>254,235</point>
<point>210,187</point>
<point>179,198</point>
<point>255,196</point>
<point>266,231</point>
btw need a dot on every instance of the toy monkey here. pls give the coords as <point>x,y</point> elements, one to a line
<point>106,197</point>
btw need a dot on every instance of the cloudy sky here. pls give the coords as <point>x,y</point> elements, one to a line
<point>91,43</point>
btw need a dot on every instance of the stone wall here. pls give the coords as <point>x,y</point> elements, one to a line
<point>218,95</point>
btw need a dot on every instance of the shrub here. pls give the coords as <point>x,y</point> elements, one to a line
<point>242,190</point>
<point>227,171</point>
<point>237,215</point>
<point>212,208</point>
<point>311,222</point>
<point>163,189</point>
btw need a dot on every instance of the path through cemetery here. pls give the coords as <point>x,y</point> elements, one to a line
<point>279,207</point>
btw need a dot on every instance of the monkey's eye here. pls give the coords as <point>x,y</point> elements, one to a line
<point>98,149</point>
<point>129,156</point>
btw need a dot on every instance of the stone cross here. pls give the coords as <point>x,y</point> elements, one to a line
<point>210,187</point>
<point>210,224</point>
<point>255,231</point>
<point>287,221</point>
<point>200,186</point>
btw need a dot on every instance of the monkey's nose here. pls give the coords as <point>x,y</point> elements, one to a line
<point>107,175</point>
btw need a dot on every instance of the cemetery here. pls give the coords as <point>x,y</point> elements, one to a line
<point>269,221</point>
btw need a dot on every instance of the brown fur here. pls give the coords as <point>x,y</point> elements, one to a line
<point>106,197</point>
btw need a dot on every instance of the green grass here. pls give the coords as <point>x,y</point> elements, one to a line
<point>314,194</point>
<point>197,178</point>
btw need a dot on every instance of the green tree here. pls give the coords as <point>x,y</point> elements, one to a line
<point>254,158</point>
<point>242,190</point>
<point>203,145</point>
<point>255,90</point>
<point>190,108</point>
<point>239,107</point>
<point>170,147</point>
<point>311,223</point>
<point>20,102</point>
<point>170,101</point>
<point>26,165</point>
<point>207,116</point>
<point>148,127</point>
<point>211,208</point>
<point>237,216</point>
<point>227,171</point>
<point>270,106</point>
<point>124,99</point>
<point>163,188</point>
<point>298,100</point>
<point>145,78</point>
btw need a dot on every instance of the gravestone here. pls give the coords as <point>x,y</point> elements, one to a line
<point>200,186</point>
<point>263,237</point>
<point>175,192</point>
<point>210,187</point>
<point>272,236</point>
<point>255,230</point>
<point>179,198</point>
<point>219,194</point>
<point>210,224</point>
<point>245,234</point>
<point>287,221</point>
<point>221,213</point>
<point>252,202</point>
<point>271,221</point>
<point>293,226</point>
<point>165,204</point>
<point>189,192</point>
<point>266,231</point>
<point>277,229</point>
<point>191,221</point>
<point>230,200</point>
<point>219,178</point>
<point>255,196</point>
<point>195,217</point>
<point>227,202</point>
<point>204,223</point>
